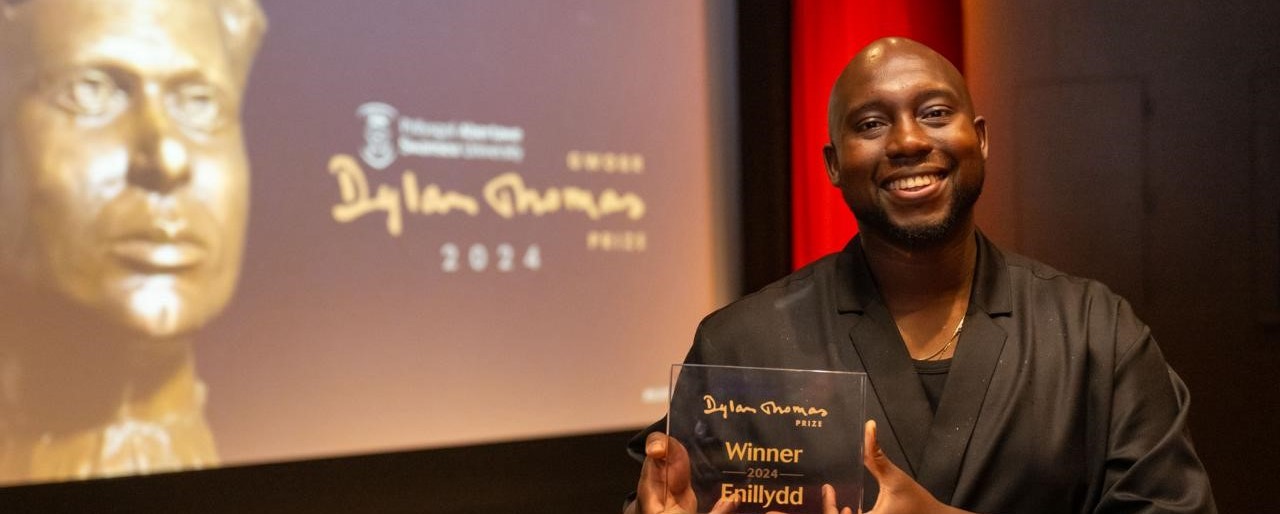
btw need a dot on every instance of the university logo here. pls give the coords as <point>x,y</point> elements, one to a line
<point>379,141</point>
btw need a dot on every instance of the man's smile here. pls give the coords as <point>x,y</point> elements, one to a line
<point>915,187</point>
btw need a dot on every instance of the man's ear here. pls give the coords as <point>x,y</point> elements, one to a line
<point>980,126</point>
<point>833,170</point>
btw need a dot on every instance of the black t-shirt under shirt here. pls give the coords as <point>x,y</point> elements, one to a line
<point>933,375</point>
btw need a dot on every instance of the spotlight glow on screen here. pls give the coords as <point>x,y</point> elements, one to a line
<point>471,221</point>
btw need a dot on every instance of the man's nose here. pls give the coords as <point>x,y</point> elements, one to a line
<point>907,139</point>
<point>159,159</point>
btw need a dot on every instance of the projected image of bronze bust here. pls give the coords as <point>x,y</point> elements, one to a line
<point>123,203</point>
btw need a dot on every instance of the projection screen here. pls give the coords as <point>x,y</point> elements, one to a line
<point>465,222</point>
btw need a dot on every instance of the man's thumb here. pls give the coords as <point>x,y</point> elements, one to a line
<point>874,458</point>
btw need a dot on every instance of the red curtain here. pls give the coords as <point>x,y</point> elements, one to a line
<point>825,35</point>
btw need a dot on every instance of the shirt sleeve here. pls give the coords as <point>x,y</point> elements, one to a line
<point>1151,464</point>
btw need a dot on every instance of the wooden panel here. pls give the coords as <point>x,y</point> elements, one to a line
<point>1266,194</point>
<point>1079,179</point>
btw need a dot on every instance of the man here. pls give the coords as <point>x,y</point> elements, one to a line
<point>123,199</point>
<point>998,384</point>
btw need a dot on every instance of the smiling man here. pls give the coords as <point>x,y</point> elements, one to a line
<point>998,384</point>
<point>906,150</point>
<point>123,200</point>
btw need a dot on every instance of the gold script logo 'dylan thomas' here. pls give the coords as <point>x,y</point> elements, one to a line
<point>767,408</point>
<point>389,135</point>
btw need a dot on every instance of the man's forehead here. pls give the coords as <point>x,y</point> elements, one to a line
<point>889,65</point>
<point>908,74</point>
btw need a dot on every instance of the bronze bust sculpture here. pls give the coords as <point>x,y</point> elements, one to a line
<point>123,201</point>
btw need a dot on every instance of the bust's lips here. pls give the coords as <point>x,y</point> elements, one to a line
<point>159,255</point>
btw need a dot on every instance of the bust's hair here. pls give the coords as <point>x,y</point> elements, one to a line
<point>243,24</point>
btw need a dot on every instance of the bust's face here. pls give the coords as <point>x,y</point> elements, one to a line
<point>123,177</point>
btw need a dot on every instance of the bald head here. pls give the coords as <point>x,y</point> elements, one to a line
<point>887,56</point>
<point>906,151</point>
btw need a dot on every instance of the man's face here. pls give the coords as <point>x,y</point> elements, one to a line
<point>907,152</point>
<point>123,178</point>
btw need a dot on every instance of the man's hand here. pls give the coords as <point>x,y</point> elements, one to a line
<point>828,502</point>
<point>664,481</point>
<point>899,493</point>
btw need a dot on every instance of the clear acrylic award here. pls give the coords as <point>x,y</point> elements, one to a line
<point>766,438</point>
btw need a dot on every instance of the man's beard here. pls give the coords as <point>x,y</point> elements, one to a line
<point>873,218</point>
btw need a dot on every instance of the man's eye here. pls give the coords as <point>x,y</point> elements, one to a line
<point>937,112</point>
<point>868,125</point>
<point>196,106</point>
<point>92,94</point>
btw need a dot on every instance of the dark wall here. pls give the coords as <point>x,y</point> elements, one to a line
<point>764,106</point>
<point>589,473</point>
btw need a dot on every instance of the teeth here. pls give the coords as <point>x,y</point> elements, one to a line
<point>912,182</point>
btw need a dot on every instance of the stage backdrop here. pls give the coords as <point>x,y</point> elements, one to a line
<point>470,221</point>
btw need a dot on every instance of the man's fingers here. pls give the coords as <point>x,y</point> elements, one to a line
<point>898,491</point>
<point>676,465</point>
<point>829,501</point>
<point>655,445</point>
<point>871,449</point>
<point>664,476</point>
<point>724,506</point>
<point>652,492</point>
<point>883,469</point>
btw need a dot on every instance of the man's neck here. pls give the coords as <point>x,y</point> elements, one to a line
<point>925,289</point>
<point>902,272</point>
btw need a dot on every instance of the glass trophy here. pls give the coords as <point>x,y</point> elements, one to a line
<point>766,438</point>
